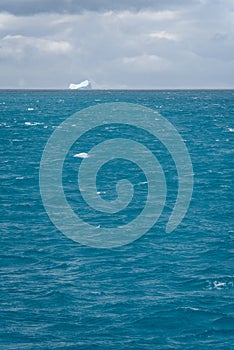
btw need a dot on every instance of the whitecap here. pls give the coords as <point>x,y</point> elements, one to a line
<point>33,123</point>
<point>218,284</point>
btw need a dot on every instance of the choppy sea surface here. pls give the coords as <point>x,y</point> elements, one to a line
<point>162,291</point>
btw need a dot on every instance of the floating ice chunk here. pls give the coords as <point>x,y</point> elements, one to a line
<point>81,155</point>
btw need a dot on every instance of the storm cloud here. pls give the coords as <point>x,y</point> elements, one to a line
<point>29,7</point>
<point>126,44</point>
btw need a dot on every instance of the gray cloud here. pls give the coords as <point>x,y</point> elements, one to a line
<point>188,47</point>
<point>29,7</point>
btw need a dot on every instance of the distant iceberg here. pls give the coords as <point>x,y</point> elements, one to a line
<point>84,85</point>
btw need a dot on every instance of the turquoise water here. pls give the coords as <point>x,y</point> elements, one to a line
<point>160,292</point>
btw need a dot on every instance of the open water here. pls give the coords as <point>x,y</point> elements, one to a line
<point>162,291</point>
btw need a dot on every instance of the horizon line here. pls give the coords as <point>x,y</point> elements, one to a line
<point>114,89</point>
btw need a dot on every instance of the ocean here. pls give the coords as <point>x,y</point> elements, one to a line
<point>159,291</point>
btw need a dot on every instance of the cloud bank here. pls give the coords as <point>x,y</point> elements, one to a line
<point>29,7</point>
<point>132,44</point>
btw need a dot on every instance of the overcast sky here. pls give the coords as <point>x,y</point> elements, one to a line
<point>148,44</point>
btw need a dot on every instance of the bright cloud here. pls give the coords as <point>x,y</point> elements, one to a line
<point>10,45</point>
<point>189,45</point>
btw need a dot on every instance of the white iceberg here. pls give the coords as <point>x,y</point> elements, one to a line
<point>84,85</point>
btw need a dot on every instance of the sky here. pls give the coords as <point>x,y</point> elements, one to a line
<point>125,44</point>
